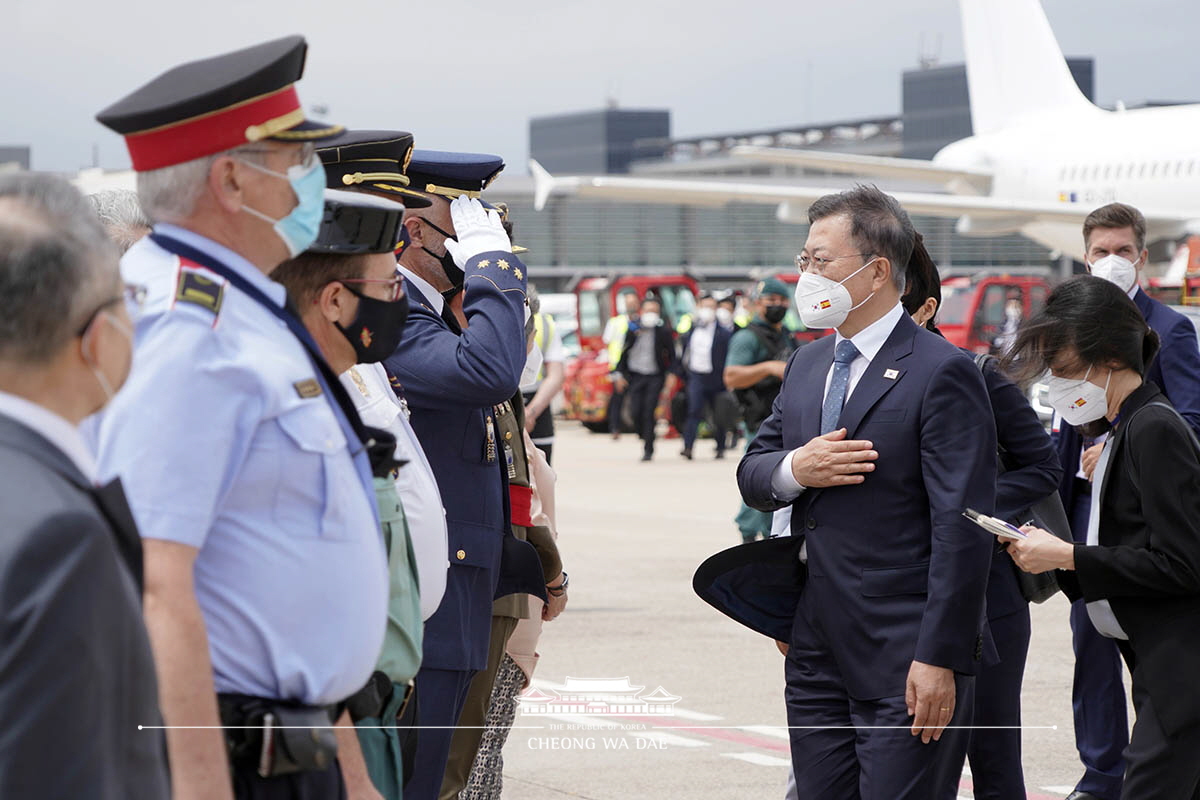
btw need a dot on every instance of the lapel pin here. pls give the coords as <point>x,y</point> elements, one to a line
<point>890,374</point>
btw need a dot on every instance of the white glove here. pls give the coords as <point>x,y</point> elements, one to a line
<point>478,231</point>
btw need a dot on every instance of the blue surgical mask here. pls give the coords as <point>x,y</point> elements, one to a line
<point>299,228</point>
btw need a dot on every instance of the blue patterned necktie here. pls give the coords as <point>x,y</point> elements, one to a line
<point>835,398</point>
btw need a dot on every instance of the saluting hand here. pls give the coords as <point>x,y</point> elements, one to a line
<point>833,460</point>
<point>477,230</point>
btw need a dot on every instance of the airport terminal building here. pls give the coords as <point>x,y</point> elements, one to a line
<point>575,236</point>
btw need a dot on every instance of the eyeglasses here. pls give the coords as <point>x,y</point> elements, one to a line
<point>804,261</point>
<point>308,153</point>
<point>396,285</point>
<point>132,294</point>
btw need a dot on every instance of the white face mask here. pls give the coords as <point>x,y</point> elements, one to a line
<point>1078,400</point>
<point>105,386</point>
<point>650,319</point>
<point>706,316</point>
<point>1116,269</point>
<point>825,303</point>
<point>533,366</point>
<point>725,316</point>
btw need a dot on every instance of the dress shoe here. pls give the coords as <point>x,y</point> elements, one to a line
<point>686,453</point>
<point>647,456</point>
<point>720,455</point>
<point>1078,795</point>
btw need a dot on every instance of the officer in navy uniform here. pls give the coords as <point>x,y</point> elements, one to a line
<point>244,460</point>
<point>373,162</point>
<point>452,378</point>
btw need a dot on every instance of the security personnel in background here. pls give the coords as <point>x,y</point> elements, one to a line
<point>453,379</point>
<point>506,611</point>
<point>246,466</point>
<point>754,367</point>
<point>614,341</point>
<point>351,300</point>
<point>545,382</point>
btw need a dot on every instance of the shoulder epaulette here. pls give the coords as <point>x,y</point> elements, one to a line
<point>199,287</point>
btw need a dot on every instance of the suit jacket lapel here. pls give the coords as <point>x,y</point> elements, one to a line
<point>110,500</point>
<point>882,374</point>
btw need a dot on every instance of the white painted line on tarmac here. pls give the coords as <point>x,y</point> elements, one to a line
<point>775,731</point>
<point>669,738</point>
<point>760,759</point>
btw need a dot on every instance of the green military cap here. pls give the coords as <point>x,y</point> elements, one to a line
<point>772,286</point>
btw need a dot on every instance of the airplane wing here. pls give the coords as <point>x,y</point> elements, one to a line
<point>982,214</point>
<point>877,166</point>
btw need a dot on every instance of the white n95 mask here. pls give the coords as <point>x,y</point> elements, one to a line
<point>1116,269</point>
<point>1077,400</point>
<point>825,303</point>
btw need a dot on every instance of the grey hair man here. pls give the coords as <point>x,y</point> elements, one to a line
<point>244,459</point>
<point>121,213</point>
<point>70,555</point>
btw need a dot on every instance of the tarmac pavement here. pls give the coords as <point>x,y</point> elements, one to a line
<point>631,535</point>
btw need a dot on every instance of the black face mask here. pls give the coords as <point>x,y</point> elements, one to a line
<point>453,274</point>
<point>774,314</point>
<point>377,327</point>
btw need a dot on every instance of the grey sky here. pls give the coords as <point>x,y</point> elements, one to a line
<point>469,75</point>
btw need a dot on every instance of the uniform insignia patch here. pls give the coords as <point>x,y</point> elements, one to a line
<point>517,273</point>
<point>890,374</point>
<point>308,388</point>
<point>365,337</point>
<point>502,264</point>
<point>199,290</point>
<point>483,263</point>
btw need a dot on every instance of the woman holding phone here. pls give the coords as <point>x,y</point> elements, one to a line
<point>1139,572</point>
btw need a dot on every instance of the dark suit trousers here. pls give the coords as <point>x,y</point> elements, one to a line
<point>847,749</point>
<point>1160,768</point>
<point>995,755</point>
<point>701,393</point>
<point>643,395</point>
<point>1098,692</point>
<point>615,403</point>
<point>324,785</point>
<point>441,694</point>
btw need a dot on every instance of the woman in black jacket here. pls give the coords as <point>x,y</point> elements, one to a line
<point>1032,472</point>
<point>1140,570</point>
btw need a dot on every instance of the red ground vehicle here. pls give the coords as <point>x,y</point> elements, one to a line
<point>586,387</point>
<point>972,314</point>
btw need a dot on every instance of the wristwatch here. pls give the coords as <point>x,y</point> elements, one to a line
<point>557,591</point>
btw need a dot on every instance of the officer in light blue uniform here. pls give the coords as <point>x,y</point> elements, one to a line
<point>452,377</point>
<point>242,456</point>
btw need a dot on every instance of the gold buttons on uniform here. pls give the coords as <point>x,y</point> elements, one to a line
<point>461,554</point>
<point>507,435</point>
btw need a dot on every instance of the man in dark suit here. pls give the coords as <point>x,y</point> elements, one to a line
<point>1114,237</point>
<point>702,366</point>
<point>879,438</point>
<point>76,673</point>
<point>452,378</point>
<point>646,360</point>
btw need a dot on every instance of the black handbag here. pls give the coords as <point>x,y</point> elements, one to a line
<point>1047,514</point>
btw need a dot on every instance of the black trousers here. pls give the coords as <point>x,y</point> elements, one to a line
<point>995,754</point>
<point>1158,766</point>
<point>615,403</point>
<point>643,395</point>
<point>325,785</point>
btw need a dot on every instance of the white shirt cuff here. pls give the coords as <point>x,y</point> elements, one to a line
<point>784,485</point>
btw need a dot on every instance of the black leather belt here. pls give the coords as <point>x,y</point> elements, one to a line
<point>277,737</point>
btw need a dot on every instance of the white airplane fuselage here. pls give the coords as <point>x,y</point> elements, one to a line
<point>1148,158</point>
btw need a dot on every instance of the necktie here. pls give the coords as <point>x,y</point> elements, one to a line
<point>835,398</point>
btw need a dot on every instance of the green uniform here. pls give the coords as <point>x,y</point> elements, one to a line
<point>401,655</point>
<point>746,349</point>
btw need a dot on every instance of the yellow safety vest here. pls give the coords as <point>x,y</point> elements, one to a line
<point>618,340</point>
<point>543,331</point>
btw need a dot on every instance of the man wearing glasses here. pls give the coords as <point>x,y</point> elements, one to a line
<point>245,462</point>
<point>881,436</point>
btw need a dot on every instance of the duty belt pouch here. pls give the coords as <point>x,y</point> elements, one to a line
<point>296,740</point>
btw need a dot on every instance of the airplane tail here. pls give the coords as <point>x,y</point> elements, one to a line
<point>1015,67</point>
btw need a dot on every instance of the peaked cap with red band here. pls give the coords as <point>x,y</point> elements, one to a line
<point>206,107</point>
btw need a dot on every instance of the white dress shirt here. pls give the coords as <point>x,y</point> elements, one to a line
<point>700,348</point>
<point>56,430</point>
<point>431,294</point>
<point>1099,611</point>
<point>869,341</point>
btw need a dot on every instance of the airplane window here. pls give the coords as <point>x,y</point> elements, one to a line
<point>1117,172</point>
<point>1142,171</point>
<point>1178,168</point>
<point>1107,170</point>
